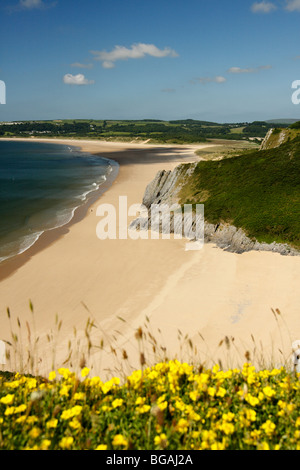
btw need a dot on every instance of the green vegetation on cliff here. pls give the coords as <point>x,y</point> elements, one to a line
<point>258,192</point>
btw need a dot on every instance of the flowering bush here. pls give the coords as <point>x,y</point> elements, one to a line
<point>170,406</point>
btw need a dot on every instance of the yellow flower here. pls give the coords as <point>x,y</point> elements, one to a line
<point>79,396</point>
<point>228,416</point>
<point>208,438</point>
<point>10,410</point>
<point>120,440</point>
<point>182,426</point>
<point>32,419</point>
<point>8,399</point>
<point>52,375</point>
<point>194,395</point>
<point>227,428</point>
<point>263,446</point>
<point>117,402</point>
<point>66,442</point>
<point>105,408</point>
<point>162,406</point>
<point>71,412</point>
<point>107,386</point>
<point>21,419</point>
<point>75,424</point>
<point>221,392</point>
<point>253,401</point>
<point>179,404</point>
<point>255,434</point>
<point>211,391</point>
<point>297,424</point>
<point>35,432</point>
<point>14,384</point>
<point>194,416</point>
<point>268,391</point>
<point>45,444</point>
<point>250,414</point>
<point>64,372</point>
<point>64,391</point>
<point>85,371</point>
<point>268,427</point>
<point>52,423</point>
<point>94,382</point>
<point>31,383</point>
<point>143,409</point>
<point>161,440</point>
<point>101,447</point>
<point>135,378</point>
<point>20,408</point>
<point>140,400</point>
<point>218,445</point>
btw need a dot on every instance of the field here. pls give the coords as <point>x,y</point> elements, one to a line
<point>150,130</point>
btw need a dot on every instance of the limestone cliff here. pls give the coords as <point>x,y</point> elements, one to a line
<point>164,191</point>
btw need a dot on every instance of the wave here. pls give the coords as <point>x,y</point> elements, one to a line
<point>60,218</point>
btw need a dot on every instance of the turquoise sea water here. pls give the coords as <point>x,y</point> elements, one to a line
<point>41,185</point>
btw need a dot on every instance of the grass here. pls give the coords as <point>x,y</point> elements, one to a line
<point>226,149</point>
<point>172,406</point>
<point>165,404</point>
<point>258,192</point>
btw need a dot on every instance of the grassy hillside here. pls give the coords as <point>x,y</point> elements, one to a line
<point>258,191</point>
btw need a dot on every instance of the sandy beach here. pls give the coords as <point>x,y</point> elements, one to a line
<point>155,284</point>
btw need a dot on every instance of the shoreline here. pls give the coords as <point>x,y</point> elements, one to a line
<point>49,236</point>
<point>117,284</point>
<point>9,266</point>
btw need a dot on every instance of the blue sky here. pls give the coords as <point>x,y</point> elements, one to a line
<point>216,60</point>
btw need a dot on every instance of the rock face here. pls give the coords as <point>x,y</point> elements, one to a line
<point>163,193</point>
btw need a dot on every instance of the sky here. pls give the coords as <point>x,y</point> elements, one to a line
<point>213,60</point>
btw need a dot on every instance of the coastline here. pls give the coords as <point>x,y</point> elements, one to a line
<point>109,151</point>
<point>211,293</point>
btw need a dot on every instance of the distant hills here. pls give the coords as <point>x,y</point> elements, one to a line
<point>282,121</point>
<point>153,131</point>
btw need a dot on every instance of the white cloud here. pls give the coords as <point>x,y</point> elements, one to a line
<point>32,4</point>
<point>78,79</point>
<point>136,51</point>
<point>293,5</point>
<point>204,80</point>
<point>82,66</point>
<point>263,7</point>
<point>107,65</point>
<point>249,70</point>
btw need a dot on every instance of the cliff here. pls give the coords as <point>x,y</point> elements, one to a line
<point>164,191</point>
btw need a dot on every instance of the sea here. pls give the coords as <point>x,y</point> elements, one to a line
<point>41,186</point>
